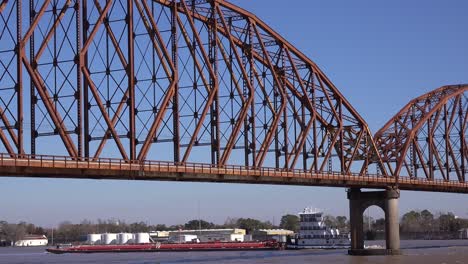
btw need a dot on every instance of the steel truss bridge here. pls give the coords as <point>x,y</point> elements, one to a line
<point>200,91</point>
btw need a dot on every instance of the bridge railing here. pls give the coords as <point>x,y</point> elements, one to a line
<point>66,162</point>
<point>106,163</point>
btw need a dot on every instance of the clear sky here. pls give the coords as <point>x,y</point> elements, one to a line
<point>380,54</point>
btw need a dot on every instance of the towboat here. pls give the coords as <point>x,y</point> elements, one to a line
<point>315,234</point>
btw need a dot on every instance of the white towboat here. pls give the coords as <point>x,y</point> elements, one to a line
<point>314,233</point>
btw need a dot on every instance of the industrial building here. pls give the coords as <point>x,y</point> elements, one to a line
<point>463,233</point>
<point>5,243</point>
<point>32,241</point>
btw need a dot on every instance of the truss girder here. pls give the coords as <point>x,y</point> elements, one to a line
<point>180,81</point>
<point>427,138</point>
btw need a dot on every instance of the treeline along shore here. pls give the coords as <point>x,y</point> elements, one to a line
<point>414,224</point>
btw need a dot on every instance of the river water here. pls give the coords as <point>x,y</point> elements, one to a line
<point>415,251</point>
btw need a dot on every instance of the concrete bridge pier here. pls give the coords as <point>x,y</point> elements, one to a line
<point>358,203</point>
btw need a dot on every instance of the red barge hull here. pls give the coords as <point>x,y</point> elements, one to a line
<point>158,247</point>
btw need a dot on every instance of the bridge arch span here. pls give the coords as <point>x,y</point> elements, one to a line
<point>427,137</point>
<point>178,81</point>
<point>328,133</point>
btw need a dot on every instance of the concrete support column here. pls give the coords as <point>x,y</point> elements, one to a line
<point>392,223</point>
<point>358,203</point>
<point>356,220</point>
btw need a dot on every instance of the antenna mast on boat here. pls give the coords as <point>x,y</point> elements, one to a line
<point>199,219</point>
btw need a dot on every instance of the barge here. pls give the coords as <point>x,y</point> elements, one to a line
<point>160,247</point>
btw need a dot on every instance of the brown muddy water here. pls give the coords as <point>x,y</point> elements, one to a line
<point>415,251</point>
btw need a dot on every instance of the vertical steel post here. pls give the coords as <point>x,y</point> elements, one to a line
<point>462,139</point>
<point>314,127</point>
<point>78,95</point>
<point>212,42</point>
<point>245,94</point>
<point>251,120</point>
<point>131,80</point>
<point>19,81</point>
<point>84,64</point>
<point>32,87</point>
<point>277,86</point>
<point>429,150</point>
<point>175,77</point>
<point>341,152</point>
<point>284,124</point>
<point>446,138</point>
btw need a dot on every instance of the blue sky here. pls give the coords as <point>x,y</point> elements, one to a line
<point>380,54</point>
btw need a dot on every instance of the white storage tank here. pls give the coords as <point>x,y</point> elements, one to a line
<point>108,238</point>
<point>337,232</point>
<point>125,238</point>
<point>94,239</point>
<point>142,238</point>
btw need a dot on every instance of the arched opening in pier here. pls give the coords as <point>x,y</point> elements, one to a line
<point>387,201</point>
<point>373,226</point>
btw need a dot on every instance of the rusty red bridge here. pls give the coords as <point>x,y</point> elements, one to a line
<point>203,90</point>
<point>200,91</point>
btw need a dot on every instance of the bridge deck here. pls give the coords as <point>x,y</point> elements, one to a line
<point>42,166</point>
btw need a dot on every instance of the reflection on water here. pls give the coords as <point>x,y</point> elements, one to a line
<point>427,251</point>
